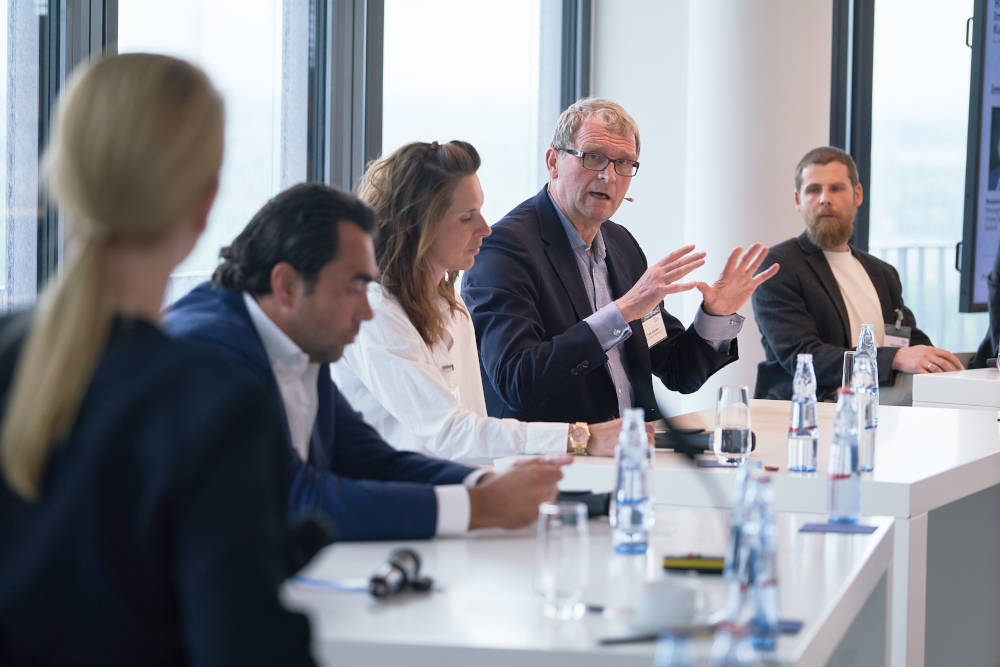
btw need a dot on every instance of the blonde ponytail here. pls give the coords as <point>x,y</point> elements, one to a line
<point>55,367</point>
<point>136,144</point>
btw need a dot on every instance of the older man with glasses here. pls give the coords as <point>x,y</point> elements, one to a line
<point>569,317</point>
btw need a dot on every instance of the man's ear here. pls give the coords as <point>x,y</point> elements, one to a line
<point>550,162</point>
<point>285,285</point>
<point>858,195</point>
<point>798,204</point>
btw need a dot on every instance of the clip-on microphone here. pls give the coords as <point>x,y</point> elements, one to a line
<point>399,573</point>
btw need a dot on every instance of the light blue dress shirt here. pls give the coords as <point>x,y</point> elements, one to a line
<point>607,322</point>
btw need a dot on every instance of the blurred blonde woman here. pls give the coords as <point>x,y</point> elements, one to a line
<point>140,513</point>
<point>414,370</point>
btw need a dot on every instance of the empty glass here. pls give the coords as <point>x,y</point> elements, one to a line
<point>732,424</point>
<point>561,564</point>
<point>848,372</point>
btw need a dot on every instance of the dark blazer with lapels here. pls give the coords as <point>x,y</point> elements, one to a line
<point>368,489</point>
<point>540,361</point>
<point>801,310</point>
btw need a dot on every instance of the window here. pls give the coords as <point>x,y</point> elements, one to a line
<point>920,106</point>
<point>486,73</point>
<point>19,40</point>
<point>256,52</point>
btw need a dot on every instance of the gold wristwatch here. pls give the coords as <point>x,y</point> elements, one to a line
<point>579,436</point>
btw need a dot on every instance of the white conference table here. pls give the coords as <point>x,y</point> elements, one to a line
<point>974,388</point>
<point>486,613</point>
<point>937,471</point>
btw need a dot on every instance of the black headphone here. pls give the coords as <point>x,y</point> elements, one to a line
<point>401,572</point>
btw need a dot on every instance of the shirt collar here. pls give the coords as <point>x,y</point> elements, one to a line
<point>576,242</point>
<point>281,350</point>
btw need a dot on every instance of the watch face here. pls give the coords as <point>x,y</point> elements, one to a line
<point>578,433</point>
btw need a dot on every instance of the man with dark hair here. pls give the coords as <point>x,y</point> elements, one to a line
<point>569,317</point>
<point>827,289</point>
<point>290,294</point>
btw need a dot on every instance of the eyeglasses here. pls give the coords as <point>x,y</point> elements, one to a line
<point>599,162</point>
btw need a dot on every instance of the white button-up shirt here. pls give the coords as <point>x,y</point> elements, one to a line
<point>297,377</point>
<point>429,398</point>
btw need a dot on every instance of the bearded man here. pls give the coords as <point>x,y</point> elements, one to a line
<point>827,289</point>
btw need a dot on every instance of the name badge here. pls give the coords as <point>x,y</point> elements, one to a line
<point>653,327</point>
<point>897,336</point>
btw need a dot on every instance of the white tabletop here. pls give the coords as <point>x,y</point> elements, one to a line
<point>486,612</point>
<point>977,388</point>
<point>924,458</point>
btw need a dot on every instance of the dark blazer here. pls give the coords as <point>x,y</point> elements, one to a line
<point>157,539</point>
<point>991,341</point>
<point>368,489</point>
<point>801,310</point>
<point>540,361</point>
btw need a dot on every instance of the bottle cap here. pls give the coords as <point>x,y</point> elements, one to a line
<point>845,390</point>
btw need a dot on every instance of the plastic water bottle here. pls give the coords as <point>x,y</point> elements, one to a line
<point>845,480</point>
<point>674,650</point>
<point>632,514</point>
<point>734,569</point>
<point>731,647</point>
<point>802,432</point>
<point>866,345</point>
<point>762,573</point>
<point>864,383</point>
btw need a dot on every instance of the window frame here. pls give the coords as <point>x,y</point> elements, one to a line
<point>345,85</point>
<point>851,96</point>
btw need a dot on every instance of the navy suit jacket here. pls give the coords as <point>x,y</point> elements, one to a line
<point>368,489</point>
<point>801,310</point>
<point>540,361</point>
<point>157,539</point>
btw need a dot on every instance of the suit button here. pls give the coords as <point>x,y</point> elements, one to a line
<point>616,332</point>
<point>574,371</point>
<point>584,364</point>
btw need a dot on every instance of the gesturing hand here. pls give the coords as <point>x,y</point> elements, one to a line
<point>659,281</point>
<point>728,294</point>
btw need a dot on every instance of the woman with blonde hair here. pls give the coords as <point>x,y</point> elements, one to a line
<point>141,516</point>
<point>414,370</point>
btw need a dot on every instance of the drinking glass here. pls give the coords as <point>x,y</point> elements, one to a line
<point>732,424</point>
<point>561,564</point>
<point>848,372</point>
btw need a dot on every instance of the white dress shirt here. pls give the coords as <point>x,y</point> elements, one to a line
<point>297,377</point>
<point>430,398</point>
<point>860,297</point>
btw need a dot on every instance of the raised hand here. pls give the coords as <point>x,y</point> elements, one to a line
<point>728,294</point>
<point>658,281</point>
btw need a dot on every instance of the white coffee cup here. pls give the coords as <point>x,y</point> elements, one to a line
<point>668,602</point>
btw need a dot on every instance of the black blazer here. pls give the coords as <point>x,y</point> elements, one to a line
<point>157,538</point>
<point>801,310</point>
<point>991,341</point>
<point>540,361</point>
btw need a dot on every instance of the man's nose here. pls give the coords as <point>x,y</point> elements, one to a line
<point>365,312</point>
<point>608,172</point>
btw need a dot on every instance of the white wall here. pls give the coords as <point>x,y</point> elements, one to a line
<point>728,94</point>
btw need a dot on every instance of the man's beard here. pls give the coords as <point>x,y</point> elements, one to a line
<point>829,233</point>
